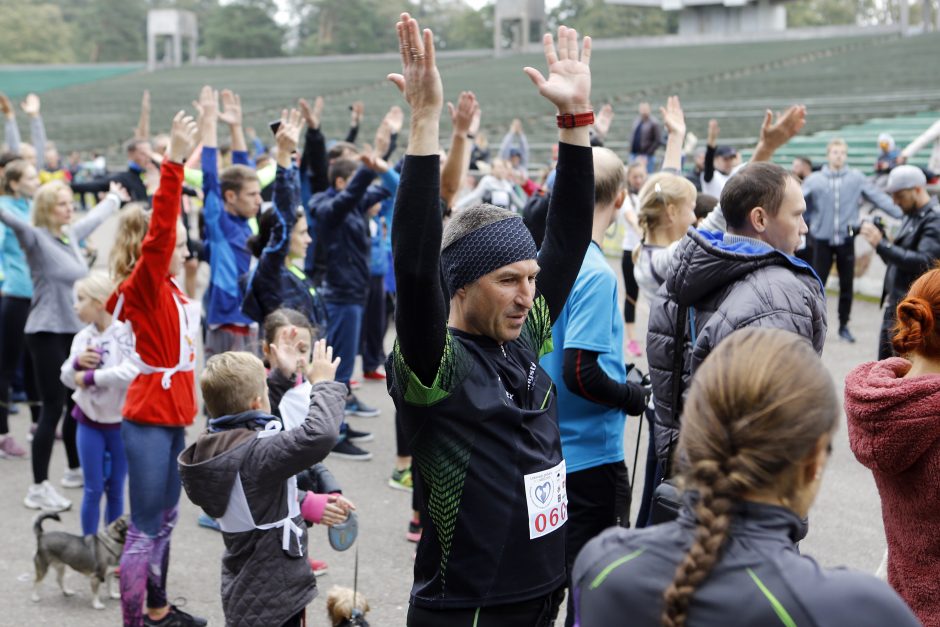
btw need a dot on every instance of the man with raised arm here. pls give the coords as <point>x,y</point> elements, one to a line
<point>478,409</point>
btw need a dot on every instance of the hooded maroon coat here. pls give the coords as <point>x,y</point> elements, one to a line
<point>894,429</point>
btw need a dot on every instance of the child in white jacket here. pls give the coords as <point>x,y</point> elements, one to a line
<point>100,367</point>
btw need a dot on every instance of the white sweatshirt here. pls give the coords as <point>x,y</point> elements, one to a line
<point>103,401</point>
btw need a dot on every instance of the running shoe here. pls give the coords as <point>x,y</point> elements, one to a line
<point>414,531</point>
<point>318,567</point>
<point>9,448</point>
<point>345,449</point>
<point>355,407</point>
<point>72,478</point>
<point>401,480</point>
<point>358,436</point>
<point>44,497</point>
<point>634,349</point>
<point>374,375</point>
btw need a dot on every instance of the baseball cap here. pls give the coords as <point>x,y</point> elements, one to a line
<point>905,177</point>
<point>725,151</point>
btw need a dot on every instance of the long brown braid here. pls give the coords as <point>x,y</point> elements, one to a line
<point>757,407</point>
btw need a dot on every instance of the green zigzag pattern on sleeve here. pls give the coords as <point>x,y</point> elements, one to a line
<point>537,332</point>
<point>454,367</point>
<point>443,461</point>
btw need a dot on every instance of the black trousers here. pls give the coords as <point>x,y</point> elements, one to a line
<point>374,324</point>
<point>49,351</point>
<point>539,612</point>
<point>885,348</point>
<point>844,253</point>
<point>598,498</point>
<point>633,290</point>
<point>13,314</point>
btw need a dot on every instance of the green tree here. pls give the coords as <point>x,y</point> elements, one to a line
<point>822,13</point>
<point>599,19</point>
<point>353,26</point>
<point>34,33</point>
<point>242,30</point>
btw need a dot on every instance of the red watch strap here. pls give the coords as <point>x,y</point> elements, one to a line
<point>574,120</point>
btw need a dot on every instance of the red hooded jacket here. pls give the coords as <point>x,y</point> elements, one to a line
<point>894,429</point>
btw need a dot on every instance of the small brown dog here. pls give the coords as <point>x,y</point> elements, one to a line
<point>343,611</point>
<point>96,556</point>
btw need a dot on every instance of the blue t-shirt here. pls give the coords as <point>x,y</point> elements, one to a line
<point>591,434</point>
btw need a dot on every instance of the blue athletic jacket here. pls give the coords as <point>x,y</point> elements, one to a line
<point>14,270</point>
<point>226,237</point>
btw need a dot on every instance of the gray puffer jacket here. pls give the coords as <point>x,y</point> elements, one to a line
<point>262,583</point>
<point>720,284</point>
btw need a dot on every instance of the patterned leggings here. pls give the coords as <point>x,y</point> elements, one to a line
<point>144,566</point>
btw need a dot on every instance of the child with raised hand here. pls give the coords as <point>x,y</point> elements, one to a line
<point>242,470</point>
<point>161,401</point>
<point>99,368</point>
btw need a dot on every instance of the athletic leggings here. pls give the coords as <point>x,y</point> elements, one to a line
<point>104,467</point>
<point>540,612</point>
<point>49,351</point>
<point>633,290</point>
<point>13,314</point>
<point>154,489</point>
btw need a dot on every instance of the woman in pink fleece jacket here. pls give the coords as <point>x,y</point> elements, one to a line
<point>893,410</point>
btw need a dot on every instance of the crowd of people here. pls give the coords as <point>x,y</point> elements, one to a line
<point>509,371</point>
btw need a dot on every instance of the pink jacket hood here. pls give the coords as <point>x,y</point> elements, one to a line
<point>892,421</point>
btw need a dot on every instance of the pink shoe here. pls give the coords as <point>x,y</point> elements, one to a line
<point>634,349</point>
<point>319,568</point>
<point>10,448</point>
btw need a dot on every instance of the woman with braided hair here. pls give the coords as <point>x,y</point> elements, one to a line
<point>755,438</point>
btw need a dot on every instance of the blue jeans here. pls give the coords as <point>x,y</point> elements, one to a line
<point>104,467</point>
<point>343,333</point>
<point>153,474</point>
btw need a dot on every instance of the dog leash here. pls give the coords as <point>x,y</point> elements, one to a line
<point>356,612</point>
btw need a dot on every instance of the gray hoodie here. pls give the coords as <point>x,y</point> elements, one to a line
<point>828,189</point>
<point>263,583</point>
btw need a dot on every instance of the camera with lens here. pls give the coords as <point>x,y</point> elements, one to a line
<point>854,229</point>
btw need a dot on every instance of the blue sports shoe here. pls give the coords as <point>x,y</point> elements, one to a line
<point>207,521</point>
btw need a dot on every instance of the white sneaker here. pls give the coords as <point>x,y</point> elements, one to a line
<point>72,478</point>
<point>43,496</point>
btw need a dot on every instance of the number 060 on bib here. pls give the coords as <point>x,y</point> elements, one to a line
<point>547,500</point>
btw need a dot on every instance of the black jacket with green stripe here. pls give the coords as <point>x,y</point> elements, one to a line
<point>760,578</point>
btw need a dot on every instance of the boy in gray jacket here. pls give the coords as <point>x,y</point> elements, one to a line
<point>832,199</point>
<point>241,472</point>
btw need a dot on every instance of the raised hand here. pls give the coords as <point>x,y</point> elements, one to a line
<point>31,105</point>
<point>372,159</point>
<point>7,107</point>
<point>312,114</point>
<point>323,367</point>
<point>568,86</point>
<point>713,132</point>
<point>356,110</point>
<point>383,138</point>
<point>184,135</point>
<point>120,191</point>
<point>673,117</point>
<point>462,115</point>
<point>419,82</point>
<point>145,101</point>
<point>208,107</point>
<point>231,108</point>
<point>603,119</point>
<point>475,121</point>
<point>776,133</point>
<point>395,118</point>
<point>287,136</point>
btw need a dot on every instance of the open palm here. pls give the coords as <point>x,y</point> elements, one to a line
<point>568,86</point>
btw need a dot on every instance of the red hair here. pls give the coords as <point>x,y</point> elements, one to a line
<point>915,329</point>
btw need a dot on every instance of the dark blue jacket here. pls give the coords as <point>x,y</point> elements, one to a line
<point>273,285</point>
<point>760,578</point>
<point>343,229</point>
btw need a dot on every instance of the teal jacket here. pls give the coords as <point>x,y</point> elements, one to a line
<point>14,270</point>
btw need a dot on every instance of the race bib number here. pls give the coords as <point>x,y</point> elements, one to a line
<point>547,500</point>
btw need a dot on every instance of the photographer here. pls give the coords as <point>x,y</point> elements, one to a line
<point>915,249</point>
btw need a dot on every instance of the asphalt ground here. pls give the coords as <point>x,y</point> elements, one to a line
<point>845,523</point>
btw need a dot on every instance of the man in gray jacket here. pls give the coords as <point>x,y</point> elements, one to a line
<point>832,198</point>
<point>718,283</point>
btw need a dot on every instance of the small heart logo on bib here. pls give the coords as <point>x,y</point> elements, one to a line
<point>543,492</point>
